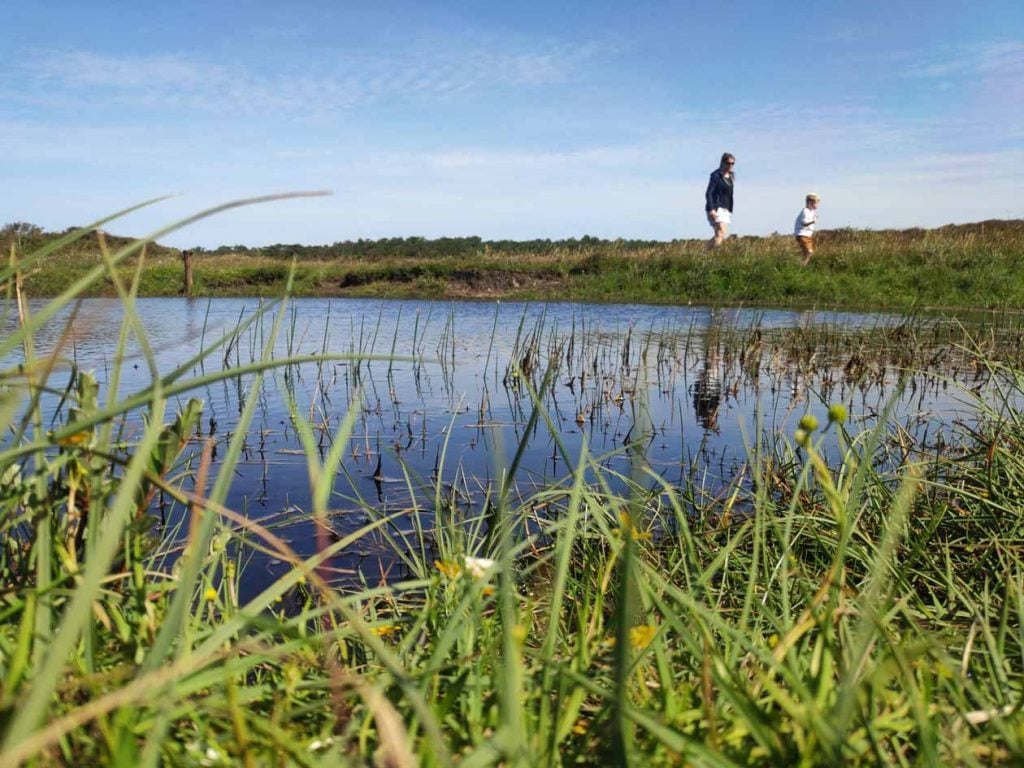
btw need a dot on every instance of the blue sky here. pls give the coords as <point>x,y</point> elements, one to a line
<point>509,120</point>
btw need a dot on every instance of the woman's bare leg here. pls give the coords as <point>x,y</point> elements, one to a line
<point>721,232</point>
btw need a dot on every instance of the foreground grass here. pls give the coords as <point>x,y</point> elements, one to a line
<point>961,266</point>
<point>822,615</point>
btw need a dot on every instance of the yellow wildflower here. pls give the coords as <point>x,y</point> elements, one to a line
<point>448,568</point>
<point>75,438</point>
<point>629,528</point>
<point>641,635</point>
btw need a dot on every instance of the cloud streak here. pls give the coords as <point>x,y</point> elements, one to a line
<point>175,81</point>
<point>1000,59</point>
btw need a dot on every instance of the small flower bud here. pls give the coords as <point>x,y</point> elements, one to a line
<point>837,413</point>
<point>808,422</point>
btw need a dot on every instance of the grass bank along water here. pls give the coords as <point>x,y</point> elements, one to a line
<point>966,266</point>
<point>857,612</point>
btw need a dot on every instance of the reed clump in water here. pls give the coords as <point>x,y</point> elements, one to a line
<point>829,611</point>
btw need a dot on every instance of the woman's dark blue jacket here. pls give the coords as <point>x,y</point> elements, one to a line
<point>719,193</point>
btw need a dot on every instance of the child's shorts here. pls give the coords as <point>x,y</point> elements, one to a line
<point>806,244</point>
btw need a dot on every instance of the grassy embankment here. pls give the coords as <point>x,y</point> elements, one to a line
<point>965,266</point>
<point>853,616</point>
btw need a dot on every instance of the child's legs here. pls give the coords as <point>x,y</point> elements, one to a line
<point>806,247</point>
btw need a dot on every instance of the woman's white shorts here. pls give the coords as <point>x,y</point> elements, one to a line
<point>721,216</point>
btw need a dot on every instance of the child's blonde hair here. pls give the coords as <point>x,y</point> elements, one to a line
<point>813,198</point>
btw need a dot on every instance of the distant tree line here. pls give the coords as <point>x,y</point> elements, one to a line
<point>421,247</point>
<point>28,236</point>
<point>455,247</point>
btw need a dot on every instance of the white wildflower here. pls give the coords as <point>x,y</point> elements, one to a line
<point>479,567</point>
<point>212,757</point>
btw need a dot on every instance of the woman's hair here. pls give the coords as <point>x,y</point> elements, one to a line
<point>725,157</point>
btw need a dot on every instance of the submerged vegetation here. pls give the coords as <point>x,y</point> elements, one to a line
<point>965,266</point>
<point>830,609</point>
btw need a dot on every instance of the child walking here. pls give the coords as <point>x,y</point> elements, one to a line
<point>804,227</point>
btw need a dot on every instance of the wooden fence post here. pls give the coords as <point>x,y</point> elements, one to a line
<point>186,256</point>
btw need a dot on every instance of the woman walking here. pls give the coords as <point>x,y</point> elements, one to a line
<point>718,199</point>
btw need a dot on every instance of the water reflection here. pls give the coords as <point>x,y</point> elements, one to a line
<point>707,392</point>
<point>441,395</point>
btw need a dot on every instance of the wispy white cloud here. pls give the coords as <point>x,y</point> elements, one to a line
<point>784,140</point>
<point>964,167</point>
<point>983,82</point>
<point>856,32</point>
<point>998,59</point>
<point>610,157</point>
<point>174,81</point>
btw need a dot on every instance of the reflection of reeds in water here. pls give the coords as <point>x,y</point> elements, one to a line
<point>602,373</point>
<point>598,389</point>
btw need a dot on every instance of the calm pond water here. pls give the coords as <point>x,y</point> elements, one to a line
<point>680,390</point>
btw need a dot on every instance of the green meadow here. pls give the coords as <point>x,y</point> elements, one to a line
<point>974,266</point>
<point>831,609</point>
